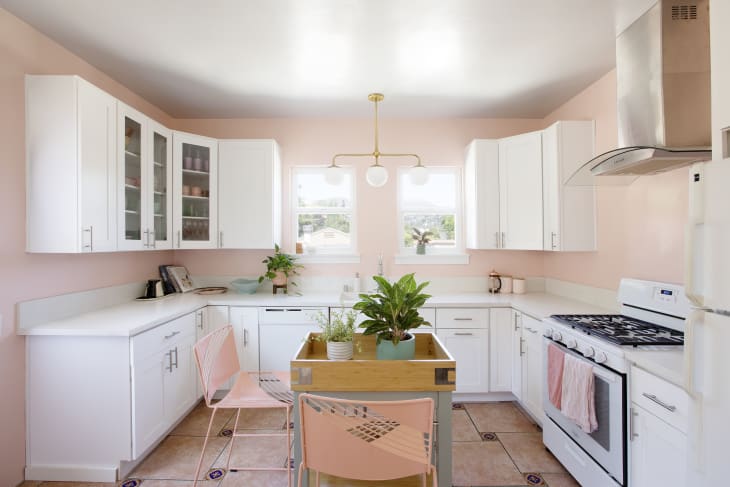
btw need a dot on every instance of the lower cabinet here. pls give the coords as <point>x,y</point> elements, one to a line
<point>163,379</point>
<point>501,334</point>
<point>532,365</point>
<point>245,323</point>
<point>465,333</point>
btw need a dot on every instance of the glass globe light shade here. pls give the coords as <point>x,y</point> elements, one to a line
<point>376,176</point>
<point>418,175</point>
<point>334,175</point>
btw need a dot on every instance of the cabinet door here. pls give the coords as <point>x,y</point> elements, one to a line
<point>500,349</point>
<point>148,398</point>
<point>518,353</point>
<point>160,195</point>
<point>133,178</point>
<point>195,185</point>
<point>245,323</point>
<point>481,195</point>
<point>97,112</point>
<point>249,209</point>
<point>469,347</point>
<point>532,366</point>
<point>658,451</point>
<point>179,379</point>
<point>520,182</point>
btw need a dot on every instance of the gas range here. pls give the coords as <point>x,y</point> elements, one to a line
<point>622,330</point>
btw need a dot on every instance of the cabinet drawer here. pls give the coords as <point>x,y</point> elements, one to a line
<point>151,341</point>
<point>659,397</point>
<point>462,318</point>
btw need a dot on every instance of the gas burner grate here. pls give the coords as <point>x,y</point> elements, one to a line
<point>623,330</point>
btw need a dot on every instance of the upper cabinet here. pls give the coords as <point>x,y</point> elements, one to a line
<point>569,211</point>
<point>249,194</point>
<point>71,192</point>
<point>195,191</point>
<point>515,191</point>
<point>144,182</point>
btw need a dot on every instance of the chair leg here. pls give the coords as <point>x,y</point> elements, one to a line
<point>205,444</point>
<point>288,443</point>
<point>434,477</point>
<point>233,438</point>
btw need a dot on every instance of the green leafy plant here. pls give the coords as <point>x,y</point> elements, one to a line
<point>393,309</point>
<point>338,327</point>
<point>421,237</point>
<point>280,262</point>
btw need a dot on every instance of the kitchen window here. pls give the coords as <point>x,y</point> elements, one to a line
<point>324,214</point>
<point>434,207</point>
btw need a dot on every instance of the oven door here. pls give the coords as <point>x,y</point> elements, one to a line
<point>607,444</point>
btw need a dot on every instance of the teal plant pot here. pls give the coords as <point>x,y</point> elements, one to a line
<point>405,350</point>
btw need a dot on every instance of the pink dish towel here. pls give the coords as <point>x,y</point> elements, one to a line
<point>579,390</point>
<point>555,362</point>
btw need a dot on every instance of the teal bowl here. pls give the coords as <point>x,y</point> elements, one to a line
<point>245,286</point>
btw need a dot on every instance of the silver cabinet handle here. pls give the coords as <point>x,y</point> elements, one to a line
<point>199,319</point>
<point>90,231</point>
<point>522,350</point>
<point>245,337</point>
<point>167,337</point>
<point>154,239</point>
<point>552,239</point>
<point>169,361</point>
<point>459,333</point>
<point>632,429</point>
<point>496,240</point>
<point>463,319</point>
<point>503,239</point>
<point>178,239</point>
<point>175,364</point>
<point>517,327</point>
<point>663,404</point>
<point>146,238</point>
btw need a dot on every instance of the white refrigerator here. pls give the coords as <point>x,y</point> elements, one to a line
<point>707,330</point>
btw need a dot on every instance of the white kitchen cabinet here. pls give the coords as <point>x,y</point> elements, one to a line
<point>503,193</point>
<point>568,211</point>
<point>245,323</point>
<point>520,196</point>
<point>501,354</point>
<point>481,194</point>
<point>281,332</point>
<point>532,366</point>
<point>144,177</point>
<point>249,194</point>
<point>71,198</point>
<point>465,333</point>
<point>195,191</point>
<point>518,352</point>
<point>163,379</point>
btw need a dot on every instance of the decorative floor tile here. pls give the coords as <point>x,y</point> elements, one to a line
<point>529,453</point>
<point>500,417</point>
<point>488,436</point>
<point>215,474</point>
<point>534,479</point>
<point>457,405</point>
<point>130,483</point>
<point>483,463</point>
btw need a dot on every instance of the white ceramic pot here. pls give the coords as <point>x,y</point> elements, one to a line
<point>339,350</point>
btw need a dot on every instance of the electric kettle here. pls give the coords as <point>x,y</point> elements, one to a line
<point>494,283</point>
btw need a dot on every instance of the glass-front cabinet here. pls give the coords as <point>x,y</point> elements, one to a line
<point>145,176</point>
<point>195,206</point>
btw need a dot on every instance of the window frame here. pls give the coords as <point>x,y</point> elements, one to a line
<point>346,253</point>
<point>438,255</point>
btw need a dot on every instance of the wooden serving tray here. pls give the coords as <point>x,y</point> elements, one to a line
<point>433,369</point>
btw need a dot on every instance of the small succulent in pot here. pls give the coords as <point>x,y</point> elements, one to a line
<point>338,330</point>
<point>421,237</point>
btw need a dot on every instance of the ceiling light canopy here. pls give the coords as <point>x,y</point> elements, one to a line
<point>377,175</point>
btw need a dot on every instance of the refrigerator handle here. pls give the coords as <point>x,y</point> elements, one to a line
<point>689,270</point>
<point>695,221</point>
<point>690,323</point>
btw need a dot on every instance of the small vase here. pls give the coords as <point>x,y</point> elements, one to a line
<point>279,279</point>
<point>339,350</point>
<point>421,249</point>
<point>404,350</point>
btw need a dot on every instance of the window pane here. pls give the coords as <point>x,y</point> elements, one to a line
<point>324,231</point>
<point>439,193</point>
<point>441,228</point>
<point>314,191</point>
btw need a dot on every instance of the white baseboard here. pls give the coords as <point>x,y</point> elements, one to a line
<point>482,397</point>
<point>71,473</point>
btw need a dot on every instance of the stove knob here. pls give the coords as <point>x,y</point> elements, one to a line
<point>589,352</point>
<point>557,336</point>
<point>600,358</point>
<point>548,332</point>
<point>571,343</point>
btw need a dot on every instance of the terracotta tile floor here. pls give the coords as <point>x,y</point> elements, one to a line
<point>494,444</point>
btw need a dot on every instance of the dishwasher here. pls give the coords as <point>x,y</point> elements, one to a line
<point>281,332</point>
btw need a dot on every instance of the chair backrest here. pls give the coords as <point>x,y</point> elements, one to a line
<point>217,360</point>
<point>366,440</point>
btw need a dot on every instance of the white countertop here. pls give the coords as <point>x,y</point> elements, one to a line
<point>667,364</point>
<point>134,317</point>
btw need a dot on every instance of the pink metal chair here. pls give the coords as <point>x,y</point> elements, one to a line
<point>366,440</point>
<point>217,362</point>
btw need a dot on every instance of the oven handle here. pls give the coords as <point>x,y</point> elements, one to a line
<point>599,370</point>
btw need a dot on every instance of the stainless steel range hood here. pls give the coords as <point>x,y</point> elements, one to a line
<point>663,87</point>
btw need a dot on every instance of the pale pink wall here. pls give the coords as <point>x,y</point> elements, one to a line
<point>26,276</point>
<point>640,226</point>
<point>314,141</point>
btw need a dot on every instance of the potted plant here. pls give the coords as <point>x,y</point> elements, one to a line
<point>392,311</point>
<point>279,267</point>
<point>421,237</point>
<point>338,330</point>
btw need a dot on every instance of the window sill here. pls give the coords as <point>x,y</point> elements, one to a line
<point>461,259</point>
<point>328,258</point>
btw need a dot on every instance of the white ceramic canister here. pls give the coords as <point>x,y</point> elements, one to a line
<point>519,286</point>
<point>506,285</point>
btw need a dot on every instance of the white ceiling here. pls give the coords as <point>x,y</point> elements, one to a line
<point>320,58</point>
